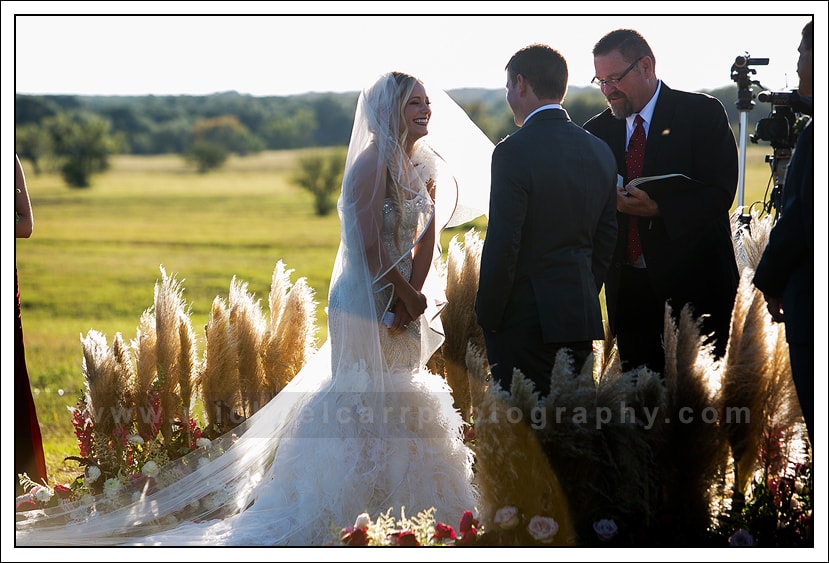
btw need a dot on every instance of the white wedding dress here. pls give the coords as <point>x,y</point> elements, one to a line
<point>363,427</point>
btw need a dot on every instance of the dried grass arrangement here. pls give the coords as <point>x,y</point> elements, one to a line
<point>152,389</point>
<point>667,460</point>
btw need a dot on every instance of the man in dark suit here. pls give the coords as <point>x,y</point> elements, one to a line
<point>786,272</point>
<point>551,229</point>
<point>684,253</point>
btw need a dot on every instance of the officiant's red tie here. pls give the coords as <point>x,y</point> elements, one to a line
<point>634,157</point>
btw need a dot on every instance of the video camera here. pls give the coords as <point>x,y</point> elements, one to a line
<point>779,128</point>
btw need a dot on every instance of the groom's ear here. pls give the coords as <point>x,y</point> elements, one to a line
<point>522,84</point>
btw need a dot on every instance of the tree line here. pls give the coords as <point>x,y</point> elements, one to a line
<point>76,134</point>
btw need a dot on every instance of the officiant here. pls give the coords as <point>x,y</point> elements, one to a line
<point>677,248</point>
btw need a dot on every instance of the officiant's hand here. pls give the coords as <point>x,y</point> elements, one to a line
<point>633,201</point>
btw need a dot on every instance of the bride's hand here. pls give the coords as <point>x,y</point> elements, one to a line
<point>414,302</point>
<point>401,317</point>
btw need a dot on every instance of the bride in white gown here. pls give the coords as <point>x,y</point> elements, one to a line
<point>364,426</point>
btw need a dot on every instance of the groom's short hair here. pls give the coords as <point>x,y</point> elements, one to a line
<point>544,69</point>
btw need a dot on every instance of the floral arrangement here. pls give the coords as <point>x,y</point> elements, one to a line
<point>420,530</point>
<point>778,512</point>
<point>511,528</point>
<point>138,411</point>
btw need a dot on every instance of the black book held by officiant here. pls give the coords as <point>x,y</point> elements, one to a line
<point>657,186</point>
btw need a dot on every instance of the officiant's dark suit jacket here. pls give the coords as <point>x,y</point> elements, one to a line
<point>688,249</point>
<point>551,232</point>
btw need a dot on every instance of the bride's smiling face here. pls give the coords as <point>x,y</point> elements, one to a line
<point>417,112</point>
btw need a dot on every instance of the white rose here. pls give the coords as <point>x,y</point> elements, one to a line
<point>506,518</point>
<point>605,528</point>
<point>150,469</point>
<point>542,528</point>
<point>134,439</point>
<point>202,442</point>
<point>112,487</point>
<point>363,521</point>
<point>41,494</point>
<point>92,473</point>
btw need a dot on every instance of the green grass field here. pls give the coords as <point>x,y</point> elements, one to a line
<point>95,256</point>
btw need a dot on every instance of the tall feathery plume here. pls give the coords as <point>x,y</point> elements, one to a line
<point>168,304</point>
<point>146,370</point>
<point>103,399</point>
<point>785,441</point>
<point>745,380</point>
<point>606,361</point>
<point>218,374</point>
<point>458,317</point>
<point>738,231</point>
<point>101,385</point>
<point>511,468</point>
<point>272,360</point>
<point>248,325</point>
<point>187,369</point>
<point>695,447</point>
<point>295,335</point>
<point>751,240</point>
<point>124,375</point>
<point>280,285</point>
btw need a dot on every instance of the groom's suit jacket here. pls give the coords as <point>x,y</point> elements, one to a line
<point>688,249</point>
<point>551,230</point>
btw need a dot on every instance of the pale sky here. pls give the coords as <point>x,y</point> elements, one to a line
<point>152,51</point>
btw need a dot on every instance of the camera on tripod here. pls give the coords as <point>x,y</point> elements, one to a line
<point>779,128</point>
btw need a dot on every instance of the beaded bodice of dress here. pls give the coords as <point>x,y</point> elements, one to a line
<point>412,209</point>
<point>400,349</point>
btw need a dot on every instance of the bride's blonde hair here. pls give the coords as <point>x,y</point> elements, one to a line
<point>397,160</point>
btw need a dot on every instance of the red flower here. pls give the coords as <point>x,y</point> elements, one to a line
<point>469,434</point>
<point>468,522</point>
<point>25,504</point>
<point>406,538</point>
<point>468,538</point>
<point>353,536</point>
<point>443,532</point>
<point>468,528</point>
<point>64,492</point>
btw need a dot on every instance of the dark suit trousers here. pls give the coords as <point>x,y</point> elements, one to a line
<point>802,360</point>
<point>640,321</point>
<point>523,348</point>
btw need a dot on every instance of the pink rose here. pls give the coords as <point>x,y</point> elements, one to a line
<point>542,528</point>
<point>507,517</point>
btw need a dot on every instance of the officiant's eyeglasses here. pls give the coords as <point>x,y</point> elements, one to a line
<point>615,81</point>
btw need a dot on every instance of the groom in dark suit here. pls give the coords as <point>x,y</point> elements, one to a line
<point>551,229</point>
<point>677,248</point>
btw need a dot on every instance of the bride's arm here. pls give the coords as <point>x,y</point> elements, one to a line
<point>424,250</point>
<point>368,193</point>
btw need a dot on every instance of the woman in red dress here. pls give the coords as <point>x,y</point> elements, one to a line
<point>28,443</point>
